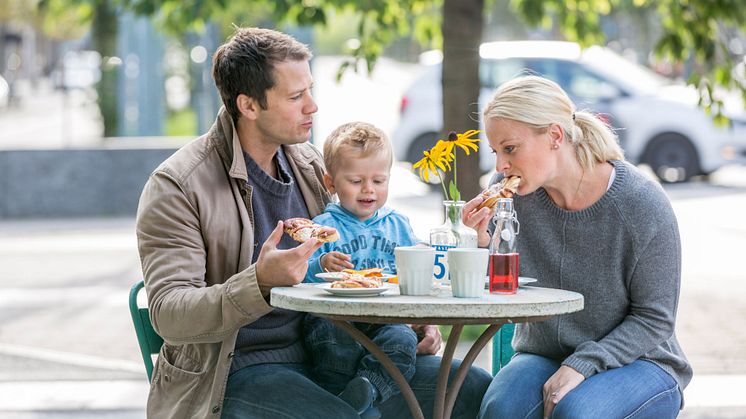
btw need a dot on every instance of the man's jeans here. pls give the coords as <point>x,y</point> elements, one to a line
<point>337,358</point>
<point>637,390</point>
<point>269,391</point>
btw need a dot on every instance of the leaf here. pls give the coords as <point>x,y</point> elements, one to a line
<point>453,191</point>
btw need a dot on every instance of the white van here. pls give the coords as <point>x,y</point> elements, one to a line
<point>658,123</point>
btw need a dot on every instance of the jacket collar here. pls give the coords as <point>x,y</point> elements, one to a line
<point>224,130</point>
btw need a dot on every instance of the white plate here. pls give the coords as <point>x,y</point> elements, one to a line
<point>354,292</point>
<point>336,276</point>
<point>522,281</point>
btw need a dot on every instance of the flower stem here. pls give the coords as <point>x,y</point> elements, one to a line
<point>455,168</point>
<point>442,184</point>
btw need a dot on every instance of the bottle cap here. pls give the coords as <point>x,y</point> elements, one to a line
<point>505,205</point>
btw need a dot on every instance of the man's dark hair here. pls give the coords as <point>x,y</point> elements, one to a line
<point>245,64</point>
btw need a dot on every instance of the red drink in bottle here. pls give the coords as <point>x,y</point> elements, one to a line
<point>503,271</point>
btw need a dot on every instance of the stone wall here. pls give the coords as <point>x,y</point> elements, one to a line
<point>64,183</point>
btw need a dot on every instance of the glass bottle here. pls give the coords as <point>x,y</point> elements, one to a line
<point>504,259</point>
<point>453,233</point>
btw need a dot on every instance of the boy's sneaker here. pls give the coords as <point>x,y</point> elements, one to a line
<point>360,394</point>
<point>371,413</point>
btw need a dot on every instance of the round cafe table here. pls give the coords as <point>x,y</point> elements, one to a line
<point>529,304</point>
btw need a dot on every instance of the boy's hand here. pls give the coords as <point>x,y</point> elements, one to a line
<point>283,267</point>
<point>335,262</point>
<point>430,339</point>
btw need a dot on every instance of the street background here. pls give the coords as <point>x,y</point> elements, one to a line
<point>67,346</point>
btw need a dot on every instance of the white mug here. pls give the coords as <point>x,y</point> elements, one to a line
<point>414,267</point>
<point>467,267</point>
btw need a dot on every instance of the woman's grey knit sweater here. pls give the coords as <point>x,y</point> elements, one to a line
<point>624,255</point>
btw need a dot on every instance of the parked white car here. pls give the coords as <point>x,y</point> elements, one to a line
<point>4,93</point>
<point>658,122</point>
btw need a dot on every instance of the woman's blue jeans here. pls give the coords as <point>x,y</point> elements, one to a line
<point>269,391</point>
<point>637,390</point>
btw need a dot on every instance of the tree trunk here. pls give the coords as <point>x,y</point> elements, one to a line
<point>462,35</point>
<point>104,40</point>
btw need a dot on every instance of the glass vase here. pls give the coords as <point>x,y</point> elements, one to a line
<point>453,233</point>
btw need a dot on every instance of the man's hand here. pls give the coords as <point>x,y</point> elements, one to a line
<point>558,385</point>
<point>478,219</point>
<point>283,267</point>
<point>430,339</point>
<point>335,262</point>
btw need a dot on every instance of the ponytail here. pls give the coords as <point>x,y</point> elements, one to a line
<point>594,141</point>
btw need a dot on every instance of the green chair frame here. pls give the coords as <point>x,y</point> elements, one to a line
<point>502,349</point>
<point>149,341</point>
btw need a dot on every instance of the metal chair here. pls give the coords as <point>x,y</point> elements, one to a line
<point>502,350</point>
<point>149,341</point>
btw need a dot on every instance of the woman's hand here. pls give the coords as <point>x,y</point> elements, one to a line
<point>478,219</point>
<point>430,339</point>
<point>335,262</point>
<point>558,385</point>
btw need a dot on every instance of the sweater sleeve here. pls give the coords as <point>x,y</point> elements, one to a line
<point>653,300</point>
<point>314,265</point>
<point>314,262</point>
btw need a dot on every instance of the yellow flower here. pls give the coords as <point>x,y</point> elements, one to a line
<point>438,159</point>
<point>464,141</point>
<point>433,160</point>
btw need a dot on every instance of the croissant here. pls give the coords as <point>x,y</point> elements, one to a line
<point>303,229</point>
<point>503,189</point>
<point>357,281</point>
<point>368,273</point>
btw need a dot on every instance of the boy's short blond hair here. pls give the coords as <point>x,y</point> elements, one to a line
<point>355,139</point>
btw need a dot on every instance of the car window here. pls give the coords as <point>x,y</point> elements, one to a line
<point>493,73</point>
<point>586,85</point>
<point>581,84</point>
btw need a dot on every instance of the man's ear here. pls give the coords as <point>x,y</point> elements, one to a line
<point>247,106</point>
<point>329,183</point>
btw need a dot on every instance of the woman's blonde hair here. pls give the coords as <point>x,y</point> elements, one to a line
<point>360,139</point>
<point>540,102</point>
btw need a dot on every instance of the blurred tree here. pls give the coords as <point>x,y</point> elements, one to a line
<point>692,30</point>
<point>72,19</point>
<point>104,40</point>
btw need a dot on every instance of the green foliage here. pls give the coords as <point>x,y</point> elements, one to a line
<point>693,30</point>
<point>64,19</point>
<point>468,333</point>
<point>181,123</point>
<point>332,39</point>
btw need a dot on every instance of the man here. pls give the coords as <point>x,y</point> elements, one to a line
<point>211,244</point>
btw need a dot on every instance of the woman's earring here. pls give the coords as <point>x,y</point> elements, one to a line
<point>555,146</point>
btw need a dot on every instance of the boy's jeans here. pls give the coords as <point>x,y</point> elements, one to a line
<point>338,358</point>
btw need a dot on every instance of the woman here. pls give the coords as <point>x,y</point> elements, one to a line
<point>590,223</point>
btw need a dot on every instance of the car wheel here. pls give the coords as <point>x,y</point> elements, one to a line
<point>673,158</point>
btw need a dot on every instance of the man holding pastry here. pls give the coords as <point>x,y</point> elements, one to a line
<point>211,243</point>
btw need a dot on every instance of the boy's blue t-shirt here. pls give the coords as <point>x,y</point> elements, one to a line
<point>370,243</point>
